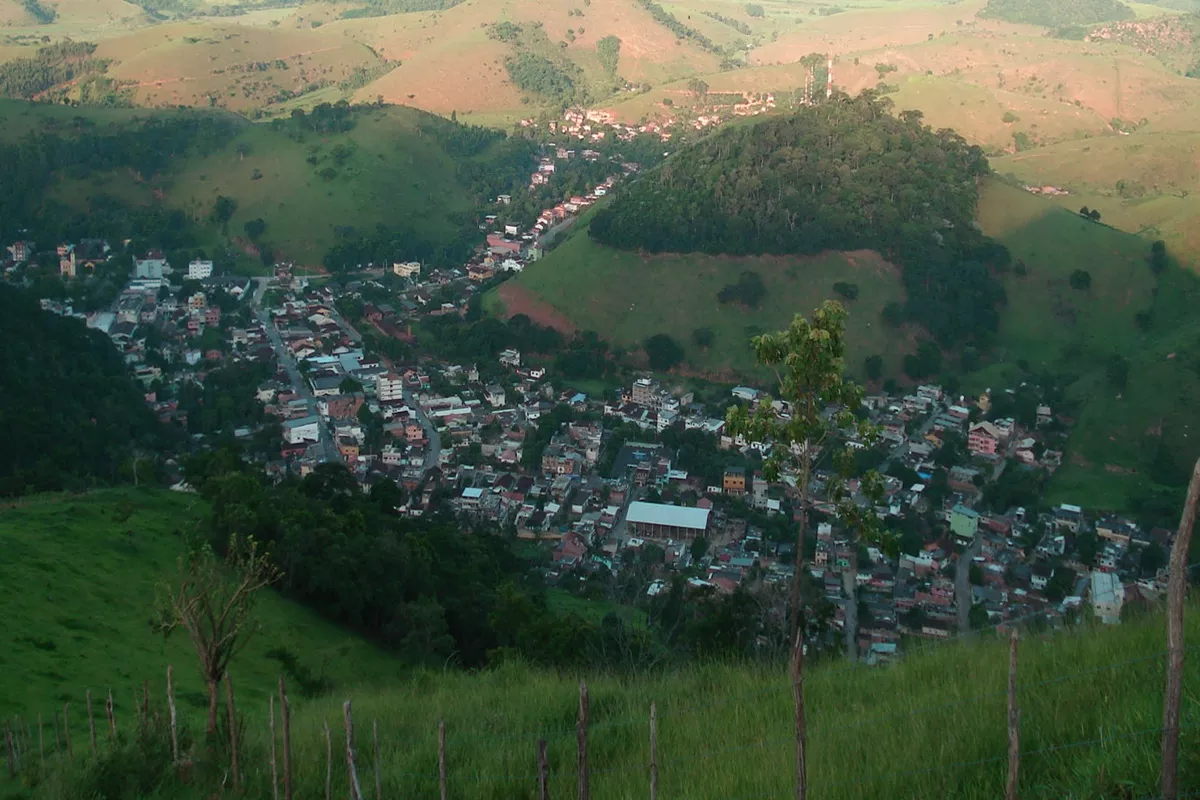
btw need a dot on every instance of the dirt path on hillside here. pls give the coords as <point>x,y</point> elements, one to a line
<point>519,300</point>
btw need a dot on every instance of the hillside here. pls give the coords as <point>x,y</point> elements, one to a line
<point>79,577</point>
<point>71,413</point>
<point>377,183</point>
<point>931,726</point>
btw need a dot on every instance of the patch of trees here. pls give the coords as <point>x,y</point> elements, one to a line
<point>585,357</point>
<point>1059,13</point>
<point>70,412</point>
<point>663,352</point>
<point>736,24</point>
<point>842,175</point>
<point>51,66</point>
<point>539,75</point>
<point>504,31</point>
<point>324,118</point>
<point>396,242</point>
<point>1081,280</point>
<point>846,290</point>
<point>381,8</point>
<point>39,12</point>
<point>608,50</point>
<point>754,10</point>
<point>749,290</point>
<point>1090,213</point>
<point>681,31</point>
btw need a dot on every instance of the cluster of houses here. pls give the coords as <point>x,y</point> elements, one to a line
<point>594,125</point>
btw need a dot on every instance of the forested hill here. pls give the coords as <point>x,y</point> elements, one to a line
<point>844,175</point>
<point>70,415</point>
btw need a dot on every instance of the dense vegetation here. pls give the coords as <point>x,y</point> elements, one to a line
<point>839,176</point>
<point>608,50</point>
<point>681,31</point>
<point>736,24</point>
<point>70,412</point>
<point>537,74</point>
<point>40,13</point>
<point>1057,13</point>
<point>379,8</point>
<point>52,66</point>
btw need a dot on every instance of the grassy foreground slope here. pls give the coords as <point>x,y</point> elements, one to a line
<point>932,726</point>
<point>79,577</point>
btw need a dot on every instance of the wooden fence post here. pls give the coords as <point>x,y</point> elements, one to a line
<point>441,742</point>
<point>171,711</point>
<point>328,762</point>
<point>91,723</point>
<point>797,671</point>
<point>1176,591</point>
<point>1014,721</point>
<point>351,759</point>
<point>112,719</point>
<point>653,751</point>
<point>378,771</point>
<point>285,716</point>
<point>581,740</point>
<point>66,727</point>
<point>231,711</point>
<point>543,764</point>
<point>12,754</point>
<point>274,772</point>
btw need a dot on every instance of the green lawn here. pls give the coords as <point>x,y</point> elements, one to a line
<point>78,584</point>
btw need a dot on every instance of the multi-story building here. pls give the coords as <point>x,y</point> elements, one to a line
<point>199,270</point>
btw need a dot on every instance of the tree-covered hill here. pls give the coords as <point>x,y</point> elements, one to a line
<point>1058,12</point>
<point>70,413</point>
<point>845,175</point>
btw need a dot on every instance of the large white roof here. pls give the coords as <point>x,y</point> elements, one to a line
<point>674,516</point>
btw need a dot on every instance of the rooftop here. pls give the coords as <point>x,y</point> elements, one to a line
<point>673,516</point>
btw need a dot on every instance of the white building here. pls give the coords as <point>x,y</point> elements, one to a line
<point>407,269</point>
<point>389,388</point>
<point>299,431</point>
<point>199,270</point>
<point>1108,595</point>
<point>511,358</point>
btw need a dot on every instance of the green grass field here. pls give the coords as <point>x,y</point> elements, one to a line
<point>628,297</point>
<point>931,726</point>
<point>79,579</point>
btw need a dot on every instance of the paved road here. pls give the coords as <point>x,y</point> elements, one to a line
<point>962,584</point>
<point>434,452</point>
<point>850,589</point>
<point>326,448</point>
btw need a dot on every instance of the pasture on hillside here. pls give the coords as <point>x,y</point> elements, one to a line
<point>79,580</point>
<point>932,725</point>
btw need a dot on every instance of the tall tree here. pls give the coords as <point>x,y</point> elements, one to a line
<point>809,362</point>
<point>213,602</point>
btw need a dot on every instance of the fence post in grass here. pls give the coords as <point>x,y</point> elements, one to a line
<point>41,744</point>
<point>66,727</point>
<point>581,737</point>
<point>171,711</point>
<point>112,719</point>
<point>285,716</point>
<point>91,724</point>
<point>274,773</point>
<point>543,764</point>
<point>231,711</point>
<point>1176,590</point>
<point>442,757</point>
<point>797,670</point>
<point>378,771</point>
<point>12,755</point>
<point>328,761</point>
<point>351,762</point>
<point>653,751</point>
<point>1014,721</point>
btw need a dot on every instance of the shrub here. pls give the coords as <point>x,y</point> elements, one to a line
<point>663,351</point>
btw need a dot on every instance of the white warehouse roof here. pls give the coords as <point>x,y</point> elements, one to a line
<point>674,516</point>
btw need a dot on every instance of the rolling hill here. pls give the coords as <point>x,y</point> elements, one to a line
<point>79,577</point>
<point>316,183</point>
